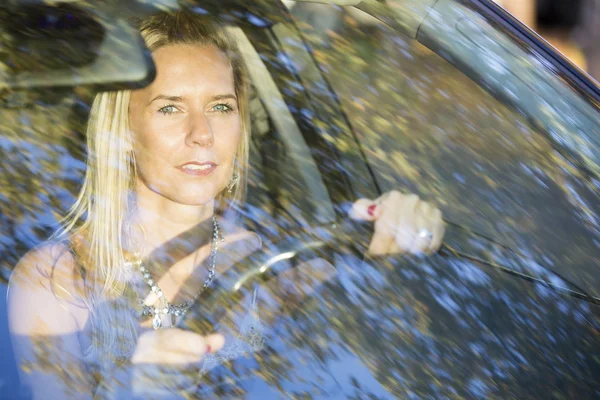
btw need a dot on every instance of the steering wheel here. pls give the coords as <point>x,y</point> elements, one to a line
<point>324,241</point>
<point>273,259</point>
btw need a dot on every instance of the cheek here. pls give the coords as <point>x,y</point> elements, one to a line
<point>227,137</point>
<point>151,142</point>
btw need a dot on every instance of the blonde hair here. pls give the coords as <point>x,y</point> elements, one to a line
<point>98,216</point>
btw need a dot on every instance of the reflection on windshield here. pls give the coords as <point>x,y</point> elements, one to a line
<point>327,322</point>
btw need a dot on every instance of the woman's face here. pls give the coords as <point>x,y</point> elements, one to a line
<point>186,126</point>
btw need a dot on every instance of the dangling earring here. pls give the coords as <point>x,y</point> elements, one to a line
<point>234,180</point>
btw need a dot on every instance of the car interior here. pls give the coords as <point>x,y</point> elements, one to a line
<point>44,109</point>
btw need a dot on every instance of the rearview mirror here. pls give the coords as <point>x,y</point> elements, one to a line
<point>69,44</point>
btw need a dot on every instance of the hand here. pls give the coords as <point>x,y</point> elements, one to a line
<point>403,224</point>
<point>174,346</point>
<point>166,362</point>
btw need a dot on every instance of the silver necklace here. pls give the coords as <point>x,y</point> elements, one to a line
<point>164,307</point>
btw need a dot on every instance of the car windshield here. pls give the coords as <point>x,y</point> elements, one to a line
<point>341,107</point>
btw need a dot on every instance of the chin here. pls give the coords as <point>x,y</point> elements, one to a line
<point>190,194</point>
<point>195,196</point>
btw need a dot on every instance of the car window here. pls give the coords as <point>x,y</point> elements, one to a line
<point>429,129</point>
<point>341,109</point>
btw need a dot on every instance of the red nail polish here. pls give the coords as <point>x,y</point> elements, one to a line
<point>371,209</point>
<point>208,348</point>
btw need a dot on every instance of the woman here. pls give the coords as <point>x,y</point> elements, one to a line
<point>87,309</point>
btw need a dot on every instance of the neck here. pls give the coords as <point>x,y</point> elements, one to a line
<point>162,219</point>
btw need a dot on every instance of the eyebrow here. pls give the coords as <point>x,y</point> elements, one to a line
<point>180,99</point>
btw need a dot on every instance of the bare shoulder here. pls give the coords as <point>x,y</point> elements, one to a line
<point>45,293</point>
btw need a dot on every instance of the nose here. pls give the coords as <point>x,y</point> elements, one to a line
<point>200,132</point>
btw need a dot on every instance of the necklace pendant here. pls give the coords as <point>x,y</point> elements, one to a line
<point>164,312</point>
<point>157,321</point>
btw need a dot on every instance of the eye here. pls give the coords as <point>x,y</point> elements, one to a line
<point>167,110</point>
<point>223,107</point>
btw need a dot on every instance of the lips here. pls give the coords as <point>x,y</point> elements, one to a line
<point>197,168</point>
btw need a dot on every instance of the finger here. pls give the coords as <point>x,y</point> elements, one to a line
<point>394,248</point>
<point>214,343</point>
<point>365,210</point>
<point>433,224</point>
<point>190,344</point>
<point>166,347</point>
<point>180,341</point>
<point>422,230</point>
<point>439,229</point>
<point>175,347</point>
<point>390,212</point>
<point>151,299</point>
<point>405,223</point>
<point>381,242</point>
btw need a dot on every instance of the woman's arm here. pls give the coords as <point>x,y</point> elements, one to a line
<point>44,323</point>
